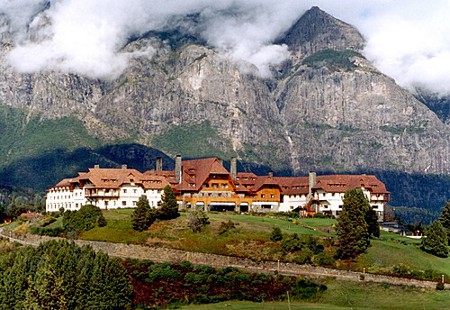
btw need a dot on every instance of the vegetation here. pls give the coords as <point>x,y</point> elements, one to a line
<point>196,140</point>
<point>159,285</point>
<point>61,275</point>
<point>445,219</point>
<point>143,216</point>
<point>169,206</point>
<point>197,220</point>
<point>435,240</point>
<point>85,219</point>
<point>352,228</point>
<point>333,59</point>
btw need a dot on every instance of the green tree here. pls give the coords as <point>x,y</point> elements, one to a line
<point>352,228</point>
<point>435,240</point>
<point>371,218</point>
<point>276,234</point>
<point>169,206</point>
<point>143,216</point>
<point>85,219</point>
<point>62,275</point>
<point>445,219</point>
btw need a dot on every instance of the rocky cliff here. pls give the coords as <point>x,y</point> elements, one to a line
<point>325,108</point>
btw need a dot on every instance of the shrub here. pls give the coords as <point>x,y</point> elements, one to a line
<point>82,220</point>
<point>440,286</point>
<point>226,227</point>
<point>276,234</point>
<point>197,220</point>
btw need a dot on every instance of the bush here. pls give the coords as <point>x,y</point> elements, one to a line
<point>440,286</point>
<point>226,227</point>
<point>197,220</point>
<point>82,220</point>
<point>276,234</point>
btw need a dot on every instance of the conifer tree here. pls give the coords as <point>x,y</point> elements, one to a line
<point>445,219</point>
<point>142,216</point>
<point>435,240</point>
<point>352,228</point>
<point>169,206</point>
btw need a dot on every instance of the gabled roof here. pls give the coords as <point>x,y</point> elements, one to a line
<point>340,183</point>
<point>111,177</point>
<point>293,185</point>
<point>261,181</point>
<point>197,171</point>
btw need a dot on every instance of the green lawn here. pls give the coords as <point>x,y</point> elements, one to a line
<point>392,249</point>
<point>119,229</point>
<point>351,295</point>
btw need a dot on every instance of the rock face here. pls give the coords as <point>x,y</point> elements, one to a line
<point>325,108</point>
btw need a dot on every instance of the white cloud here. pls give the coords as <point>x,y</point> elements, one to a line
<point>407,39</point>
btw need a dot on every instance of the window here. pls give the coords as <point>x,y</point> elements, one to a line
<point>262,195</point>
<point>340,206</point>
<point>107,190</point>
<point>375,206</point>
<point>124,191</point>
<point>106,203</point>
<point>272,196</point>
<point>124,203</point>
<point>134,203</point>
<point>135,191</point>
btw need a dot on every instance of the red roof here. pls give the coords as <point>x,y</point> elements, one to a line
<point>340,183</point>
<point>293,185</point>
<point>197,171</point>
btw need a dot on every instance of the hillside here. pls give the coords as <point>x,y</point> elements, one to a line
<point>325,108</point>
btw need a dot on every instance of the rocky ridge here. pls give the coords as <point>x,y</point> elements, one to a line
<point>326,108</point>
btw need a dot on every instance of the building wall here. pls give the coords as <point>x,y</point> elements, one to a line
<point>291,202</point>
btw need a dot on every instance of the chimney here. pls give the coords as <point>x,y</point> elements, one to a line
<point>158,163</point>
<point>124,166</point>
<point>178,168</point>
<point>96,166</point>
<point>270,174</point>
<point>233,168</point>
<point>312,182</point>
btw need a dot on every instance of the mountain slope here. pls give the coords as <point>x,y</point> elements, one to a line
<point>325,108</point>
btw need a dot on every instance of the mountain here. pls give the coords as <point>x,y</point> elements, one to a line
<point>326,108</point>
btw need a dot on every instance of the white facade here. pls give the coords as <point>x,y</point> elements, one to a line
<point>106,189</point>
<point>292,202</point>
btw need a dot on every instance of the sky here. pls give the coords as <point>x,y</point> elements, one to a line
<point>408,40</point>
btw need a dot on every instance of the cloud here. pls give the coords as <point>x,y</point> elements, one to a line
<point>408,40</point>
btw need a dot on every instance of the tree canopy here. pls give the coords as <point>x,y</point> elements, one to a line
<point>352,228</point>
<point>435,240</point>
<point>169,207</point>
<point>62,275</point>
<point>445,219</point>
<point>143,216</point>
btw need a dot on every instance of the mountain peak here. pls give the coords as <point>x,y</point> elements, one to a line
<point>316,30</point>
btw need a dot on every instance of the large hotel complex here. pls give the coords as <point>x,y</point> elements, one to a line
<point>205,183</point>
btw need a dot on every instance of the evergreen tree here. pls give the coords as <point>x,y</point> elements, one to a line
<point>352,228</point>
<point>276,234</point>
<point>445,219</point>
<point>142,216</point>
<point>371,218</point>
<point>169,206</point>
<point>435,240</point>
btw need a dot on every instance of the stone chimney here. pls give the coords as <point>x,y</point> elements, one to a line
<point>158,163</point>
<point>178,168</point>
<point>96,166</point>
<point>270,174</point>
<point>124,166</point>
<point>233,168</point>
<point>312,182</point>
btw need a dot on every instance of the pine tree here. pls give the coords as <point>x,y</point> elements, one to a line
<point>142,216</point>
<point>445,219</point>
<point>352,228</point>
<point>435,241</point>
<point>169,206</point>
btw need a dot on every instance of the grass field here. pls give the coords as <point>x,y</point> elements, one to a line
<point>351,295</point>
<point>393,250</point>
